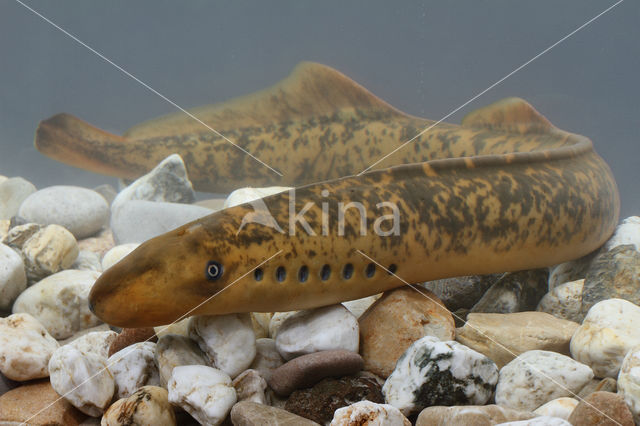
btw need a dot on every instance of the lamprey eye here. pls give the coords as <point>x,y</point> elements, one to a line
<point>214,270</point>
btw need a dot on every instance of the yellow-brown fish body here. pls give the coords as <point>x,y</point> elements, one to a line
<point>505,191</point>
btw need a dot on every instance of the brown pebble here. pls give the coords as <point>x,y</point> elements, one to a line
<point>602,409</point>
<point>129,336</point>
<point>307,370</point>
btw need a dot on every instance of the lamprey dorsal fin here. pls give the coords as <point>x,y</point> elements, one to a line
<point>511,115</point>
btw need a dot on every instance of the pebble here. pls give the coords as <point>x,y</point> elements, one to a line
<point>267,358</point>
<point>13,192</point>
<point>87,261</point>
<point>314,330</point>
<point>559,407</point>
<point>246,195</point>
<point>80,210</point>
<point>19,234</point>
<point>107,191</point>
<point>95,342</point>
<point>5,224</point>
<point>461,292</point>
<point>60,302</point>
<point>214,204</point>
<point>572,270</point>
<point>246,413</point>
<point>100,244</point>
<point>359,306</point>
<point>48,251</point>
<point>134,367</point>
<point>369,413</point>
<point>502,337</point>
<point>514,292</point>
<point>227,340</point>
<point>432,372</point>
<point>470,415</point>
<point>539,421</point>
<point>607,333</point>
<point>629,381</point>
<point>276,322</point>
<point>13,279</point>
<point>395,321</point>
<point>25,348</point>
<point>602,409</point>
<point>167,182</point>
<point>307,370</point>
<point>250,386</point>
<point>260,323</point>
<point>605,385</point>
<point>36,403</point>
<point>537,377</point>
<point>564,301</point>
<point>181,328</point>
<point>204,392</point>
<point>116,254</point>
<point>149,405</point>
<point>613,275</point>
<point>172,351</point>
<point>129,336</point>
<point>628,232</point>
<point>138,220</point>
<point>82,379</point>
<point>320,402</point>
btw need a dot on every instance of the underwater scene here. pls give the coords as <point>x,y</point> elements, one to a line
<point>335,213</point>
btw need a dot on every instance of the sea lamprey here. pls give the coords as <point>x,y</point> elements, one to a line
<point>503,191</point>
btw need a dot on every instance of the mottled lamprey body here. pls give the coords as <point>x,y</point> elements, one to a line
<point>504,191</point>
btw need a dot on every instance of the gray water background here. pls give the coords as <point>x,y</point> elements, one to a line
<point>425,58</point>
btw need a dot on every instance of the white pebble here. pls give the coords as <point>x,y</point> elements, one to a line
<point>370,414</point>
<point>204,392</point>
<point>537,377</point>
<point>250,386</point>
<point>267,357</point>
<point>564,301</point>
<point>629,381</point>
<point>87,261</point>
<point>628,232</point>
<point>607,333</point>
<point>559,407</point>
<point>25,347</point>
<point>96,342</point>
<point>276,322</point>
<point>228,340</point>
<point>12,193</point>
<point>60,302</point>
<point>173,351</point>
<point>321,329</point>
<point>538,421</point>
<point>116,254</point>
<point>82,379</point>
<point>13,279</point>
<point>80,210</point>
<point>246,195</point>
<point>133,367</point>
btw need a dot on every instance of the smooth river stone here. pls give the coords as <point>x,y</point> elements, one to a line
<point>36,403</point>
<point>502,337</point>
<point>250,386</point>
<point>149,405</point>
<point>322,329</point>
<point>246,195</point>
<point>628,232</point>
<point>559,407</point>
<point>432,372</point>
<point>13,192</point>
<point>228,340</point>
<point>87,261</point>
<point>369,413</point>
<point>537,377</point>
<point>134,367</point>
<point>246,413</point>
<point>564,301</point>
<point>116,254</point>
<point>267,358</point>
<point>395,321</point>
<point>629,381</point>
<point>50,250</point>
<point>13,279</point>
<point>307,370</point>
<point>80,210</point>
<point>172,351</point>
<point>602,409</point>
<point>60,302</point>
<point>204,392</point>
<point>607,333</point>
<point>96,342</point>
<point>461,292</point>
<point>470,415</point>
<point>25,348</point>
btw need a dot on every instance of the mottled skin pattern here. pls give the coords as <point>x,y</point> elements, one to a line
<point>505,191</point>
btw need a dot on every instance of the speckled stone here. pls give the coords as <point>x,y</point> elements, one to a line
<point>470,415</point>
<point>537,377</point>
<point>320,402</point>
<point>602,409</point>
<point>607,333</point>
<point>38,404</point>
<point>564,301</point>
<point>461,292</point>
<point>572,270</point>
<point>613,275</point>
<point>134,367</point>
<point>502,337</point>
<point>149,405</point>
<point>397,319</point>
<point>129,336</point>
<point>50,250</point>
<point>307,370</point>
<point>172,351</point>
<point>514,292</point>
<point>247,413</point>
<point>369,413</point>
<point>432,372</point>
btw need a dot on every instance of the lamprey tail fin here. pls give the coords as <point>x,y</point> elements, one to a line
<point>511,115</point>
<point>310,90</point>
<point>72,141</point>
